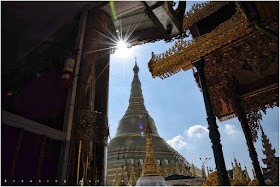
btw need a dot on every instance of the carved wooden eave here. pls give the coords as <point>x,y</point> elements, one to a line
<point>184,53</point>
<point>239,63</point>
<point>249,68</point>
<point>200,11</point>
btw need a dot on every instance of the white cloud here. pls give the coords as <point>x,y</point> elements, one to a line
<point>197,131</point>
<point>230,129</point>
<point>177,142</point>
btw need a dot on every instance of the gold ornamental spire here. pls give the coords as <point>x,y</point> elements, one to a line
<point>150,167</point>
<point>233,171</point>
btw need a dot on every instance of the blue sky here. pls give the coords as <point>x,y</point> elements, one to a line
<point>177,107</point>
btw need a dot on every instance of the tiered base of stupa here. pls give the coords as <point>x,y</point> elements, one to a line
<point>151,181</point>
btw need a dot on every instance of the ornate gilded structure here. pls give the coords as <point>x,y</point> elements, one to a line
<point>184,53</point>
<point>212,180</point>
<point>199,11</point>
<point>128,147</point>
<point>235,52</point>
<point>239,178</point>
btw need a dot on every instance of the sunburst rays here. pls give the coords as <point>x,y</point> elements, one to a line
<point>119,42</point>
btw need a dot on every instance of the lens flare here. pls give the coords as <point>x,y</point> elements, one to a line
<point>140,125</point>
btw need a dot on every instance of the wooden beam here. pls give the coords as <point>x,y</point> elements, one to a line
<point>32,126</point>
<point>155,20</point>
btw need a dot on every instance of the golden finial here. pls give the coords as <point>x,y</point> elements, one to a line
<point>233,171</point>
<point>150,167</point>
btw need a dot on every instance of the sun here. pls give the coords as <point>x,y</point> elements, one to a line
<point>122,49</point>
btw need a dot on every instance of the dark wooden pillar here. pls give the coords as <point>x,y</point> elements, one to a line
<point>90,116</point>
<point>16,154</point>
<point>213,128</point>
<point>64,161</point>
<point>249,140</point>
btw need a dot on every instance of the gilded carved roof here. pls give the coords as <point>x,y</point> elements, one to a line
<point>199,11</point>
<point>184,53</point>
<point>238,60</point>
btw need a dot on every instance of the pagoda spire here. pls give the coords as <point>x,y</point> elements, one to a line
<point>272,170</point>
<point>136,100</point>
<point>267,150</point>
<point>233,171</point>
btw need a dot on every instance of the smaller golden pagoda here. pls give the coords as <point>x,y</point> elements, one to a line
<point>150,167</point>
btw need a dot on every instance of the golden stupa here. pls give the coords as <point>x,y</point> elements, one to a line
<point>128,148</point>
